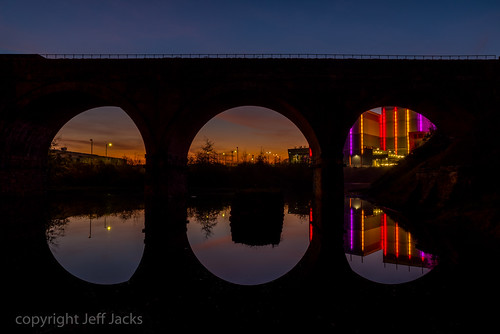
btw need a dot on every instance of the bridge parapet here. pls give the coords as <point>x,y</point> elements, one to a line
<point>265,56</point>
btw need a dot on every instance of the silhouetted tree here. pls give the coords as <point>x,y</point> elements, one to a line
<point>207,155</point>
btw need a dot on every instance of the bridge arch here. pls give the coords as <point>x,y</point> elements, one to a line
<point>191,119</point>
<point>436,104</point>
<point>37,116</point>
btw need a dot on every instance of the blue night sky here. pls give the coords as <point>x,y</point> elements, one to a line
<point>373,27</point>
<point>368,27</point>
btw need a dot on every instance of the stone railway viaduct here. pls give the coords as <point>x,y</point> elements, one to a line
<point>170,99</point>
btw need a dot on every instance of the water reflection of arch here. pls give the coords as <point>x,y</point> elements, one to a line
<point>370,229</point>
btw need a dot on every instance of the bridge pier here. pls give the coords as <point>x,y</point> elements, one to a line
<point>23,159</point>
<point>165,177</point>
<point>20,176</point>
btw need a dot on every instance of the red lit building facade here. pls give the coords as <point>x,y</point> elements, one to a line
<point>382,136</point>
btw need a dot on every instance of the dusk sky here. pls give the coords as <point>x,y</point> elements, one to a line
<point>367,27</point>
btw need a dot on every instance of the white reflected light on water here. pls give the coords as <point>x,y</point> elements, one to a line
<point>103,250</point>
<point>236,262</point>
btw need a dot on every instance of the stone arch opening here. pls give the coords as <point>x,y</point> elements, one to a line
<point>36,119</point>
<point>180,144</point>
<point>184,128</point>
<point>100,147</point>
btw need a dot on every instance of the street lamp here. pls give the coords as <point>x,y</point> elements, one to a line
<point>91,151</point>
<point>108,144</point>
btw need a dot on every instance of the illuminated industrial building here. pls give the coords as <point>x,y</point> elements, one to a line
<point>369,230</point>
<point>382,136</point>
<point>300,155</point>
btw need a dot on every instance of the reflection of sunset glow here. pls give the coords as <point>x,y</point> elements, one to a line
<point>95,254</point>
<point>242,263</point>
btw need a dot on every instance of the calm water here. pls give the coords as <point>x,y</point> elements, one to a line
<point>104,250</point>
<point>378,248</point>
<point>260,256</point>
<point>242,244</point>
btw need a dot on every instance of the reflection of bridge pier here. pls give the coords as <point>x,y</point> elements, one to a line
<point>257,217</point>
<point>369,230</point>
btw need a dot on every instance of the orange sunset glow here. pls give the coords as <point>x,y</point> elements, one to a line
<point>248,129</point>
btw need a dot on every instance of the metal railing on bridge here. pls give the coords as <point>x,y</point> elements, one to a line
<point>261,56</point>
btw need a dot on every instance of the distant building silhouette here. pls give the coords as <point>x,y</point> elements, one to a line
<point>63,153</point>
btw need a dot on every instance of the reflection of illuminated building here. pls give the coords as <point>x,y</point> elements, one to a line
<point>382,136</point>
<point>369,229</point>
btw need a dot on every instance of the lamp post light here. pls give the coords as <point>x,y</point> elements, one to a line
<point>108,144</point>
<point>91,151</point>
<point>90,226</point>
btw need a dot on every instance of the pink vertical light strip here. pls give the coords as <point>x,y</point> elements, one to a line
<point>352,228</point>
<point>350,141</point>
<point>420,122</point>
<point>396,130</point>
